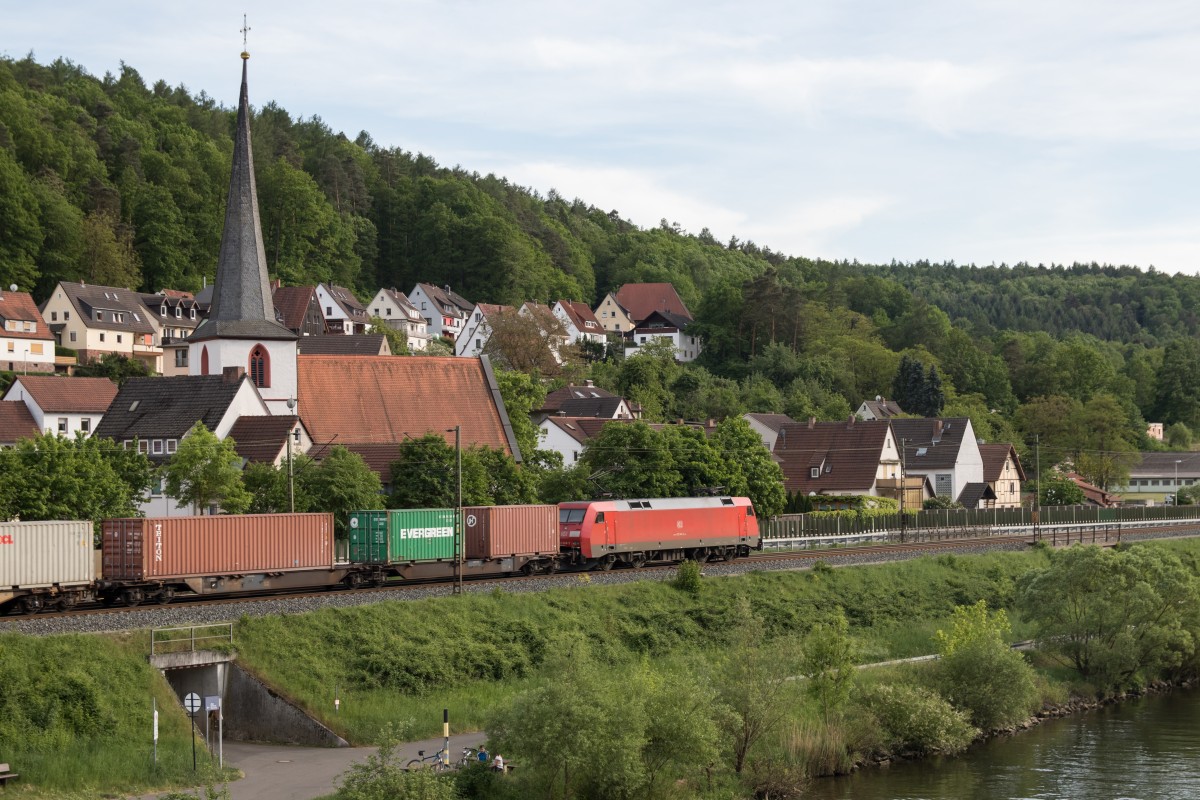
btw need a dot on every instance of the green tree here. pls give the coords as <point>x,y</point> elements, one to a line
<point>916,720</point>
<point>908,388</point>
<point>750,470</point>
<point>980,672</point>
<point>1179,436</point>
<point>424,474</point>
<point>829,656</point>
<point>1178,397</point>
<point>397,340</point>
<point>342,484</point>
<point>205,471</point>
<point>114,366</point>
<point>382,776</point>
<point>1115,616</point>
<point>631,460</point>
<point>522,395</point>
<point>1059,490</point>
<point>1111,443</point>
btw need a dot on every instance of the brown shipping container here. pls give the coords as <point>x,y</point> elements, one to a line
<point>502,531</point>
<point>236,544</point>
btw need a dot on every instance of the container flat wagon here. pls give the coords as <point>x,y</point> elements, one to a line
<point>156,558</point>
<point>604,533</point>
<point>44,564</point>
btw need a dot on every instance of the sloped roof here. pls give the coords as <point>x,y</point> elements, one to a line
<point>292,304</point>
<point>1161,465</point>
<point>16,422</point>
<point>167,408</point>
<point>543,313</point>
<point>449,300</point>
<point>663,319</point>
<point>172,299</point>
<point>381,399</point>
<point>401,300</point>
<point>882,408</point>
<point>602,407</point>
<point>108,302</point>
<point>582,317</point>
<point>773,422</point>
<point>1093,494</point>
<point>641,299</point>
<point>994,456</point>
<point>581,429</point>
<point>20,306</point>
<point>261,438</point>
<point>930,443</point>
<point>554,400</point>
<point>60,394</point>
<point>379,457</point>
<point>347,300</point>
<point>361,344</point>
<point>847,453</point>
<point>972,493</point>
<point>241,304</point>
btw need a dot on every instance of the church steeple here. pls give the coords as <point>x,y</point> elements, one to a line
<point>241,304</point>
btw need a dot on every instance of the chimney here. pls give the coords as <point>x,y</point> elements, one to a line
<point>588,383</point>
<point>850,421</point>
<point>812,423</point>
<point>232,374</point>
<point>937,431</point>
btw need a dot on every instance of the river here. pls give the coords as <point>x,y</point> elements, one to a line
<point>1148,749</point>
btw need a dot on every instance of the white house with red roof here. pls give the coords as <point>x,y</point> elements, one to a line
<point>477,330</point>
<point>398,312</point>
<point>26,342</point>
<point>63,405</point>
<point>579,322</point>
<point>344,313</point>
<point>444,311</point>
<point>665,326</point>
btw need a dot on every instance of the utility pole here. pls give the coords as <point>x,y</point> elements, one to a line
<point>459,548</point>
<point>903,491</point>
<point>1037,496</point>
<point>291,404</point>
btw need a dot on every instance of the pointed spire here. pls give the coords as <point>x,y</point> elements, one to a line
<point>241,306</point>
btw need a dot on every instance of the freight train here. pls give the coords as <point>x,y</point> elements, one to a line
<point>53,565</point>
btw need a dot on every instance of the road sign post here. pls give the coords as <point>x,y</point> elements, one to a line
<point>192,704</point>
<point>213,703</point>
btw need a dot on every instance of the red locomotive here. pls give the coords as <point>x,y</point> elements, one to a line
<point>604,533</point>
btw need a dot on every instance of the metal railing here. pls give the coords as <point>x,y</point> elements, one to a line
<point>166,640</point>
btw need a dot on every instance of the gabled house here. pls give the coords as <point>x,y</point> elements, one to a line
<point>640,300</point>
<point>946,452</point>
<point>585,400</point>
<point>175,315</point>
<point>26,342</point>
<point>567,435</point>
<point>265,440</point>
<point>344,314</point>
<point>767,426</point>
<point>1093,495</point>
<point>579,323</point>
<point>667,326</point>
<point>62,405</point>
<point>372,404</point>
<point>298,309</point>
<point>613,317</point>
<point>476,330</point>
<point>1003,473</point>
<point>444,311</point>
<point>16,423</point>
<point>94,320</point>
<point>154,415</point>
<point>879,408</point>
<point>395,309</point>
<point>840,458</point>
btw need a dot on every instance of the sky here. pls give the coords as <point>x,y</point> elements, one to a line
<point>979,132</point>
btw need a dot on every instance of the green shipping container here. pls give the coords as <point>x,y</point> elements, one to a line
<point>368,537</point>
<point>423,534</point>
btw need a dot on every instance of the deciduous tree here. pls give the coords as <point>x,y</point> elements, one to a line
<point>205,471</point>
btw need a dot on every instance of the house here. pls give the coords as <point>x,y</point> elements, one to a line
<point>567,436</point>
<point>445,312</point>
<point>175,315</point>
<point>1093,495</point>
<point>587,400</point>
<point>879,408</point>
<point>154,415</point>
<point>1154,430</point>
<point>946,452</point>
<point>94,320</point>
<point>476,330</point>
<point>613,317</point>
<point>667,326</point>
<point>397,312</point>
<point>363,344</point>
<point>1002,471</point>
<point>633,303</point>
<point>344,313</point>
<point>270,440</point>
<point>579,323</point>
<point>26,342</point>
<point>1158,476</point>
<point>843,458</point>
<point>767,426</point>
<point>62,405</point>
<point>16,423</point>
<point>299,310</point>
<point>380,401</point>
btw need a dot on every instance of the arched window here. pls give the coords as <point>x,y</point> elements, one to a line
<point>204,360</point>
<point>260,367</point>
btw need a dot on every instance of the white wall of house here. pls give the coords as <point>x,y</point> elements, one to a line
<point>687,346</point>
<point>384,306</point>
<point>574,335</point>
<point>63,423</point>
<point>968,468</point>
<point>332,310</point>
<point>556,439</point>
<point>474,336</point>
<point>236,353</point>
<point>439,323</point>
<point>26,355</point>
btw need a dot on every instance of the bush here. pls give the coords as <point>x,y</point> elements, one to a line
<point>918,721</point>
<point>687,579</point>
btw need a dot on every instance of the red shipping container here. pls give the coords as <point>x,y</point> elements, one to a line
<point>503,531</point>
<point>175,547</point>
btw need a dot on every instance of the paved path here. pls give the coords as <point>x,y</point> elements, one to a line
<point>279,772</point>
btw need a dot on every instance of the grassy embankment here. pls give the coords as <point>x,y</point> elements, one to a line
<point>76,719</point>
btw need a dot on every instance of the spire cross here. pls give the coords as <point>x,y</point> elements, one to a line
<point>245,30</point>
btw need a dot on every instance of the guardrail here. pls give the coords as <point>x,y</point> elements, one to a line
<point>163,640</point>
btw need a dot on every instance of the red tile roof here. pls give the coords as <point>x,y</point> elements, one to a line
<point>994,456</point>
<point>1094,495</point>
<point>581,316</point>
<point>60,394</point>
<point>19,306</point>
<point>16,422</point>
<point>642,299</point>
<point>292,304</point>
<point>380,399</point>
<point>847,454</point>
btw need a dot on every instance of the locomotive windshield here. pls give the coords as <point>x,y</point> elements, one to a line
<point>571,514</point>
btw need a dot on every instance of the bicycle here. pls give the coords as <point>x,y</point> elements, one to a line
<point>434,763</point>
<point>469,756</point>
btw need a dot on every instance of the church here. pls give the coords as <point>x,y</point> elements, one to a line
<point>247,380</point>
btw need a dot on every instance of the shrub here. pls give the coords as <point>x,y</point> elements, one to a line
<point>918,721</point>
<point>687,579</point>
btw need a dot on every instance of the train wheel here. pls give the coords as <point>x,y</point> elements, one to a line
<point>728,554</point>
<point>638,562</point>
<point>165,596</point>
<point>132,597</point>
<point>354,580</point>
<point>700,555</point>
<point>32,603</point>
<point>606,563</point>
<point>66,602</point>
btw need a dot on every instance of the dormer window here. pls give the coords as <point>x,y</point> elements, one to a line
<point>192,313</point>
<point>163,310</point>
<point>99,316</point>
<point>815,472</point>
<point>178,312</point>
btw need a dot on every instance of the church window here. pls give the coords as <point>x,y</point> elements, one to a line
<point>204,360</point>
<point>260,367</point>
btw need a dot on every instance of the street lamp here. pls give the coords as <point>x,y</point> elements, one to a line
<point>291,404</point>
